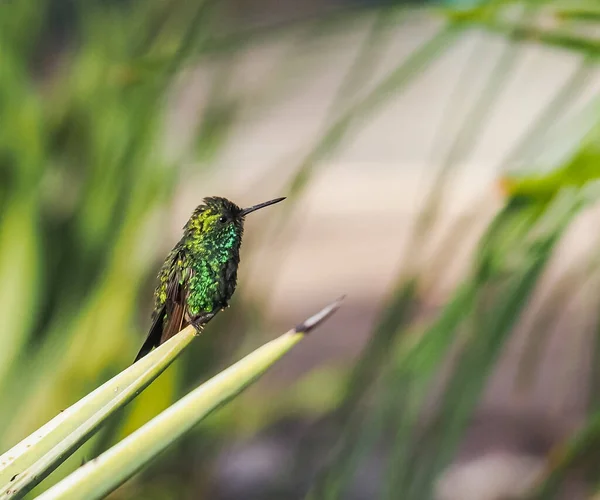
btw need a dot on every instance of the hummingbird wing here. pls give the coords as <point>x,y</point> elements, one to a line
<point>169,319</point>
<point>175,317</point>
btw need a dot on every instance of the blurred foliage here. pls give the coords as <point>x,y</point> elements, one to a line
<point>85,177</point>
<point>84,173</point>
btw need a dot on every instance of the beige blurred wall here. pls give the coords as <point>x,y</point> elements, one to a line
<point>352,225</point>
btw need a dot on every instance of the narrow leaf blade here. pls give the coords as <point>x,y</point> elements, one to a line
<point>41,452</point>
<point>105,473</point>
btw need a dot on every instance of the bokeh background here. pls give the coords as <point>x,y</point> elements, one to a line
<point>439,162</point>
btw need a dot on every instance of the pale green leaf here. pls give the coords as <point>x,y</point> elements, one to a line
<point>105,473</point>
<point>30,461</point>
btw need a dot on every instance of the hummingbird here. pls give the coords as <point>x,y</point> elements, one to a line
<point>199,275</point>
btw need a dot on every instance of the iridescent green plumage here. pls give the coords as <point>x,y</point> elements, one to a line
<point>199,275</point>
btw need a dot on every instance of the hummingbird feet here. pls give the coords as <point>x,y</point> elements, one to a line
<point>197,326</point>
<point>199,322</point>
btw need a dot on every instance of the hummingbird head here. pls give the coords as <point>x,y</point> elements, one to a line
<point>221,221</point>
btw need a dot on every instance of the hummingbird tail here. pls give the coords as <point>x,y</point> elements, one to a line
<point>146,348</point>
<point>153,338</point>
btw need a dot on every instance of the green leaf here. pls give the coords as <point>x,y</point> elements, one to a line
<point>584,10</point>
<point>580,170</point>
<point>105,473</point>
<point>30,461</point>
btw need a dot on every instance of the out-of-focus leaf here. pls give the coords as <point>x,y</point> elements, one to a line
<point>580,450</point>
<point>504,292</point>
<point>581,169</point>
<point>19,273</point>
<point>586,10</point>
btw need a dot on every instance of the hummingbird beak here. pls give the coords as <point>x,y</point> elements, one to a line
<point>254,208</point>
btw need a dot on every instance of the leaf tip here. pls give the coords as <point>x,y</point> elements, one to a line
<point>316,319</point>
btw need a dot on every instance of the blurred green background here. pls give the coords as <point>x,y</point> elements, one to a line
<point>440,162</point>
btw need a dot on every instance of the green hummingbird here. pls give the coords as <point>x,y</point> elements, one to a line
<point>199,275</point>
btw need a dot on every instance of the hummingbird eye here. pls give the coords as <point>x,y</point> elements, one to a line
<point>222,219</point>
